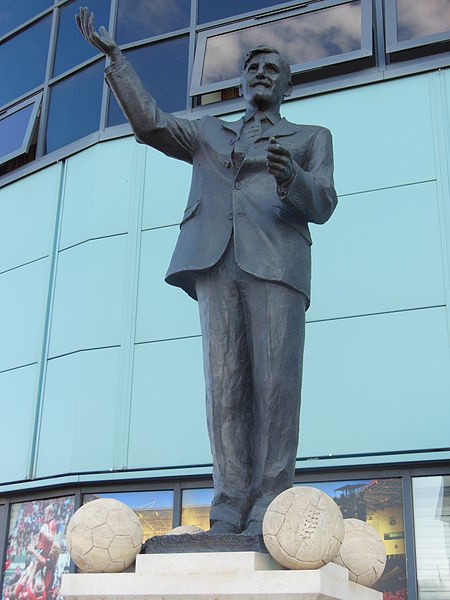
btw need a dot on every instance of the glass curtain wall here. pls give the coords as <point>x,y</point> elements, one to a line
<point>431,499</point>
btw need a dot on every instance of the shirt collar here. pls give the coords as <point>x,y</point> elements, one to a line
<point>272,116</point>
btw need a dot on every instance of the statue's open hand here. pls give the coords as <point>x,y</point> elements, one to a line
<point>101,39</point>
<point>279,161</point>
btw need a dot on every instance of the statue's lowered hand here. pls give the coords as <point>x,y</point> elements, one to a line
<point>101,39</point>
<point>279,162</point>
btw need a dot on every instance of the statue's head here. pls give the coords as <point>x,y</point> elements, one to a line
<point>266,78</point>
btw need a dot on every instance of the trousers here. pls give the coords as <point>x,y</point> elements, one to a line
<point>253,335</point>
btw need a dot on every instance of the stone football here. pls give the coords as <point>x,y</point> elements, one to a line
<point>362,553</point>
<point>104,536</point>
<point>303,528</point>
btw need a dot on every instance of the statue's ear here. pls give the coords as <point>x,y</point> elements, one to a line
<point>288,91</point>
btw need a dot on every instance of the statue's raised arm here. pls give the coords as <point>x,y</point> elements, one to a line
<point>101,39</point>
<point>151,125</point>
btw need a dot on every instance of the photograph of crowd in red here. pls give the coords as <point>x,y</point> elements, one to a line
<point>36,555</point>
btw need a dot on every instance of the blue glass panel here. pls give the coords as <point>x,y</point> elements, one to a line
<point>23,59</point>
<point>208,10</point>
<point>422,18</point>
<point>13,129</point>
<point>300,39</point>
<point>163,69</point>
<point>140,19</point>
<point>71,47</point>
<point>15,12</point>
<point>75,105</point>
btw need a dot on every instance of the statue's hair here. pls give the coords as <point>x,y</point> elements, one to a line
<point>268,50</point>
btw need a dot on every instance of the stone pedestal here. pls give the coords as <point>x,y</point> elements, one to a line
<point>215,576</point>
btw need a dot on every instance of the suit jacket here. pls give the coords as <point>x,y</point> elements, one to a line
<point>270,224</point>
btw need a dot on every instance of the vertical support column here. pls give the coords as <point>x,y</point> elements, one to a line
<point>440,117</point>
<point>410,550</point>
<point>176,515</point>
<point>126,363</point>
<point>42,365</point>
<point>4,521</point>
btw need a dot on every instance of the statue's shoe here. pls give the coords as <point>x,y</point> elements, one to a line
<point>219,527</point>
<point>253,528</point>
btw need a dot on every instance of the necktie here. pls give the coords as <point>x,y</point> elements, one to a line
<point>251,131</point>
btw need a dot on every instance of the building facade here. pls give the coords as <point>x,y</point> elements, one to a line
<point>101,384</point>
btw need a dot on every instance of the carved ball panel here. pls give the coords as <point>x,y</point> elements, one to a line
<point>362,553</point>
<point>104,536</point>
<point>303,528</point>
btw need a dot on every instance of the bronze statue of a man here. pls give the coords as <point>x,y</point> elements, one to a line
<point>244,253</point>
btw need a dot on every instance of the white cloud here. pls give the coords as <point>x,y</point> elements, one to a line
<point>156,16</point>
<point>417,18</point>
<point>299,39</point>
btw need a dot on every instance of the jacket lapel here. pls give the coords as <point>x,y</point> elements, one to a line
<point>280,129</point>
<point>234,126</point>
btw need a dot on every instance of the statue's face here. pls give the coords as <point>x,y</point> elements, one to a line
<point>264,83</point>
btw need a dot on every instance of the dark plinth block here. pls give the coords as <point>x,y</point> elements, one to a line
<point>203,542</point>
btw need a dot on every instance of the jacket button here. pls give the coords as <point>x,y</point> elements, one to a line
<point>230,216</point>
<point>227,164</point>
<point>237,186</point>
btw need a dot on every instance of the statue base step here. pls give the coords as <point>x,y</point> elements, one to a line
<point>215,576</point>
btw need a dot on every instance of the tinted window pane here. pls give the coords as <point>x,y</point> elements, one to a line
<point>23,59</point>
<point>140,19</point>
<point>72,48</point>
<point>75,107</point>
<point>28,523</point>
<point>431,497</point>
<point>211,11</point>
<point>13,129</point>
<point>303,38</point>
<point>378,502</point>
<point>154,509</point>
<point>13,12</point>
<point>422,17</point>
<point>163,69</point>
<point>195,507</point>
